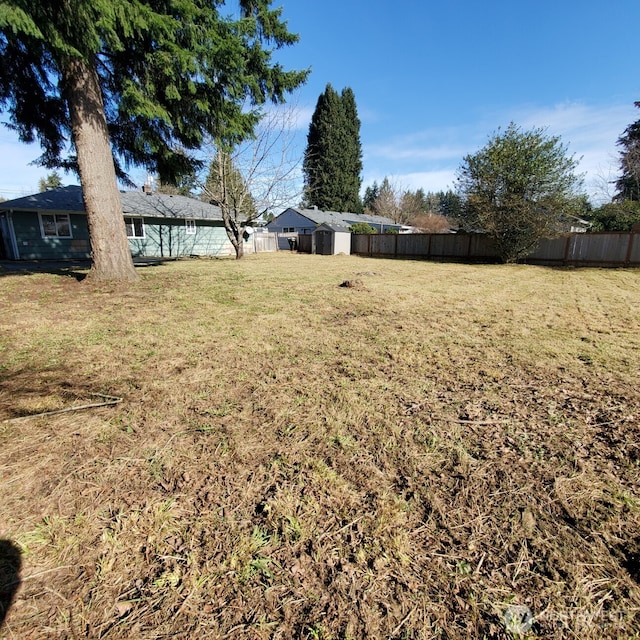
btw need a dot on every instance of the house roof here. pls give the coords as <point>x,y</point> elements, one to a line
<point>342,218</point>
<point>160,205</point>
<point>155,205</point>
<point>58,199</point>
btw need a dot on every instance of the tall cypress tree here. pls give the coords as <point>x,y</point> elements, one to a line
<point>352,153</point>
<point>333,158</point>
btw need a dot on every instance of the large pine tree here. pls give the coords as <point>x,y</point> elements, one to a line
<point>103,85</point>
<point>333,158</point>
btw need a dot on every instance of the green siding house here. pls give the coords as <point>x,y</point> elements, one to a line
<point>53,226</point>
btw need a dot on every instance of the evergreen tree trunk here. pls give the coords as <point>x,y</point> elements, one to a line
<point>110,248</point>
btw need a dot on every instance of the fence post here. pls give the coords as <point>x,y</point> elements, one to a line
<point>627,259</point>
<point>567,244</point>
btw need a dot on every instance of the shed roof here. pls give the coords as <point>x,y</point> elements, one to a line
<point>156,205</point>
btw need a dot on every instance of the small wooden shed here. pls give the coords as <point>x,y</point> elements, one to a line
<point>331,239</point>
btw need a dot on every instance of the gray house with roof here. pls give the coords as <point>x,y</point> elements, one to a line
<point>304,221</point>
<point>53,225</point>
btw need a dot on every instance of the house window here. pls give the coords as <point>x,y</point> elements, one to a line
<point>288,230</point>
<point>190,225</point>
<point>55,225</point>
<point>135,228</point>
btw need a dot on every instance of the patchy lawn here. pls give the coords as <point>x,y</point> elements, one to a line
<point>442,451</point>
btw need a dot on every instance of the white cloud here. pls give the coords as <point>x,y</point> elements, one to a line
<point>584,128</point>
<point>430,158</point>
<point>423,145</point>
<point>397,150</point>
<point>591,133</point>
<point>433,181</point>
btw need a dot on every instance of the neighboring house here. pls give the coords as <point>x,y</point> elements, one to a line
<point>574,224</point>
<point>304,221</point>
<point>53,225</point>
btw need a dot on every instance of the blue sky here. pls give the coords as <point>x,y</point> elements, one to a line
<point>433,80</point>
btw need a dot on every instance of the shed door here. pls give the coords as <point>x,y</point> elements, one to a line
<point>5,239</point>
<point>323,242</point>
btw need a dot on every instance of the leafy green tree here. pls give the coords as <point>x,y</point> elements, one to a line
<point>412,204</point>
<point>333,158</point>
<point>615,216</point>
<point>134,83</point>
<point>370,195</point>
<point>427,202</point>
<point>362,227</point>
<point>185,185</point>
<point>51,181</point>
<point>517,188</point>
<point>450,204</point>
<point>628,185</point>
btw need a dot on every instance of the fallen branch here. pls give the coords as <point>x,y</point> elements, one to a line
<point>17,581</point>
<point>111,400</point>
<point>461,421</point>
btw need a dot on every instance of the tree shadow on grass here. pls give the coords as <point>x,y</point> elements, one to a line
<point>28,391</point>
<point>10,565</point>
<point>73,269</point>
<point>78,269</point>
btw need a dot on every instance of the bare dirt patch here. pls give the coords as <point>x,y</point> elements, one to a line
<point>454,454</point>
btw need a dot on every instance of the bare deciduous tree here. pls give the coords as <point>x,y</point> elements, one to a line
<point>430,223</point>
<point>250,179</point>
<point>388,202</point>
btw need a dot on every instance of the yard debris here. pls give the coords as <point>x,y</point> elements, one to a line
<point>354,284</point>
<point>110,400</point>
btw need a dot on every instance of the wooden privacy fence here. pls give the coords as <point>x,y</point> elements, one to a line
<point>472,246</point>
<point>304,243</point>
<point>265,242</point>
<point>589,249</point>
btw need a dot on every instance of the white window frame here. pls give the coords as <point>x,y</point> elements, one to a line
<point>131,221</point>
<point>288,230</point>
<point>190,226</point>
<point>57,220</point>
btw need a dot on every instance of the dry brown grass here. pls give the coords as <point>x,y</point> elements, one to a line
<point>411,458</point>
